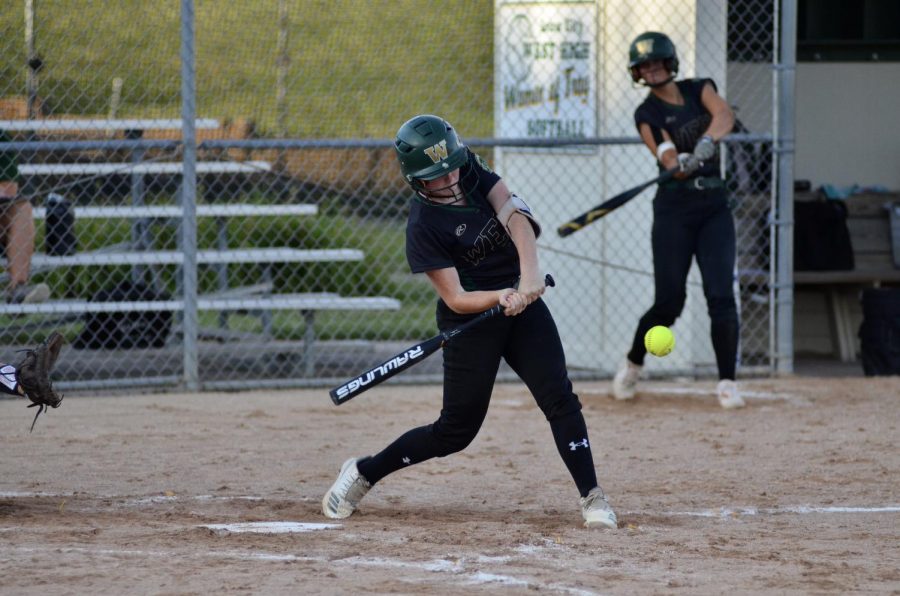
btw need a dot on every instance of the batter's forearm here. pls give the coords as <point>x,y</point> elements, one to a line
<point>722,124</point>
<point>522,235</point>
<point>466,303</point>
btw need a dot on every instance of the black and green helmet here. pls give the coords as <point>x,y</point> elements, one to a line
<point>648,46</point>
<point>428,148</point>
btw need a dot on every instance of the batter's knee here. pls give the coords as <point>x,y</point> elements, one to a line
<point>560,407</point>
<point>721,308</point>
<point>665,312</point>
<point>660,316</point>
<point>452,439</point>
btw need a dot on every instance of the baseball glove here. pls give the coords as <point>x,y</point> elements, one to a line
<point>33,374</point>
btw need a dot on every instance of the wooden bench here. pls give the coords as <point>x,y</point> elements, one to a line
<point>140,214</point>
<point>876,264</point>
<point>150,212</point>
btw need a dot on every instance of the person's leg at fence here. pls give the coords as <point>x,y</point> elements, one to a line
<point>17,226</point>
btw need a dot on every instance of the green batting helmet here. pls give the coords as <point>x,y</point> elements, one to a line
<point>648,46</point>
<point>428,148</point>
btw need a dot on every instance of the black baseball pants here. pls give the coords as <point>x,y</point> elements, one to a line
<point>690,224</point>
<point>530,344</point>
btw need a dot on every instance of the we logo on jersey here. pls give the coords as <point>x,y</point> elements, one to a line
<point>491,238</point>
<point>437,152</point>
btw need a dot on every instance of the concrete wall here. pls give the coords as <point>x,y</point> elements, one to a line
<point>847,120</point>
<point>847,124</point>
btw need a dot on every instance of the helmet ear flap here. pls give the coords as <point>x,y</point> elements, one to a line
<point>635,74</point>
<point>671,65</point>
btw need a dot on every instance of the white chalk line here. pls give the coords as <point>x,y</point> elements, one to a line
<point>275,527</point>
<point>174,498</point>
<point>139,500</point>
<point>732,512</point>
<point>456,568</point>
<point>760,395</point>
<point>720,512</point>
<point>673,391</point>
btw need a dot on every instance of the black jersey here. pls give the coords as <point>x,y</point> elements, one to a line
<point>685,124</point>
<point>469,238</point>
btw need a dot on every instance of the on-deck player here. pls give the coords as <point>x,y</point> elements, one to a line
<point>681,122</point>
<point>475,241</point>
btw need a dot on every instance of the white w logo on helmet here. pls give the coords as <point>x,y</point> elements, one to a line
<point>645,46</point>
<point>437,152</point>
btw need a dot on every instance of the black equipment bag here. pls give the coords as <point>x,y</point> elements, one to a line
<point>879,333</point>
<point>122,330</point>
<point>821,238</point>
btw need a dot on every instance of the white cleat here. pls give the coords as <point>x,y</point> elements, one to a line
<point>729,395</point>
<point>624,384</point>
<point>596,511</point>
<point>347,491</point>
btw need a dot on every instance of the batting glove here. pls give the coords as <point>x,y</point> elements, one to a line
<point>688,163</point>
<point>705,148</point>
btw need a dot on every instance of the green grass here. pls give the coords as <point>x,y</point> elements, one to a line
<point>355,68</point>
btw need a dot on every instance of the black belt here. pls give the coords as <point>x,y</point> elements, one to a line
<point>698,183</point>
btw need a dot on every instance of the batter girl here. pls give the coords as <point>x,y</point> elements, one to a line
<point>681,122</point>
<point>475,241</point>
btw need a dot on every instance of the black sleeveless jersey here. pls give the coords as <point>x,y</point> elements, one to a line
<point>469,238</point>
<point>685,124</point>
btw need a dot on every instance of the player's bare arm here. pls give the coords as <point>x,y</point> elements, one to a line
<point>721,123</point>
<point>531,283</point>
<point>446,283</point>
<point>722,115</point>
<point>668,156</point>
<point>664,152</point>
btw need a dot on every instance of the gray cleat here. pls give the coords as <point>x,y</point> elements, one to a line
<point>347,491</point>
<point>596,510</point>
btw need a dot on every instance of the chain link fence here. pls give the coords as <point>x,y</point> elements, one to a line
<point>300,209</point>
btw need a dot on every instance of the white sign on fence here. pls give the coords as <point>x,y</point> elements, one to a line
<point>547,70</point>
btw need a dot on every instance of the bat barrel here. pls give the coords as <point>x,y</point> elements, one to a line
<point>603,209</point>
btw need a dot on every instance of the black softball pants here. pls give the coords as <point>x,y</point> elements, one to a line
<point>690,224</point>
<point>530,344</point>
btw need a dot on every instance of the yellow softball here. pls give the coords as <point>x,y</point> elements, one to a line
<point>659,340</point>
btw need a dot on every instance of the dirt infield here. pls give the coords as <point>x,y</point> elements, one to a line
<point>797,493</point>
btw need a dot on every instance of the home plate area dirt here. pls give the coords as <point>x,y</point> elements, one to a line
<point>193,493</point>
